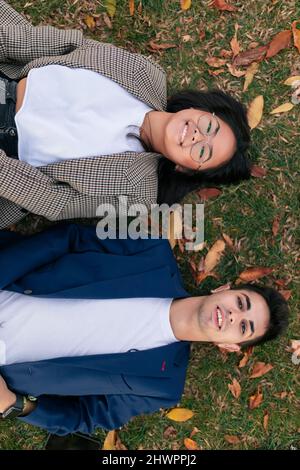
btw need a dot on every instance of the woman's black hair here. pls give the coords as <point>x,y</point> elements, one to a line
<point>174,185</point>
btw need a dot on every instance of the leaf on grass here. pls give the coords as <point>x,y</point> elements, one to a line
<point>286,294</point>
<point>111,7</point>
<point>256,399</point>
<point>295,346</point>
<point>275,225</point>
<point>250,72</point>
<point>159,47</point>
<point>170,431</point>
<point>110,441</point>
<point>234,44</point>
<point>258,171</point>
<point>214,255</point>
<point>228,240</point>
<point>294,78</point>
<point>194,431</point>
<point>223,6</point>
<point>185,4</point>
<point>174,227</point>
<point>190,444</point>
<point>215,73</point>
<point>260,369</point>
<point>208,193</point>
<point>107,20</point>
<point>215,62</point>
<point>266,421</point>
<point>232,439</point>
<point>131,7</point>
<point>180,414</point>
<point>283,108</point>
<point>90,22</point>
<point>235,388</point>
<point>251,55</point>
<point>252,274</point>
<point>279,42</point>
<point>235,72</point>
<point>296,34</point>
<point>255,111</point>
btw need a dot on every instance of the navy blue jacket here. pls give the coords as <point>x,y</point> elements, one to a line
<point>83,393</point>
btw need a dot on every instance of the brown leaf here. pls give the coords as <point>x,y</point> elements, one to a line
<point>232,439</point>
<point>250,72</point>
<point>214,255</point>
<point>252,274</point>
<point>180,414</point>
<point>170,431</point>
<point>275,225</point>
<point>223,6</point>
<point>286,294</point>
<point>131,7</point>
<point>235,388</point>
<point>235,72</point>
<point>215,73</point>
<point>259,369</point>
<point>243,361</point>
<point>249,56</point>
<point>279,42</point>
<point>225,53</point>
<point>256,399</point>
<point>190,444</point>
<point>266,420</point>
<point>295,346</point>
<point>234,44</point>
<point>158,47</point>
<point>185,4</point>
<point>258,171</point>
<point>215,62</point>
<point>296,34</point>
<point>228,240</point>
<point>107,20</point>
<point>208,193</point>
<point>194,431</point>
<point>255,111</point>
<point>186,38</point>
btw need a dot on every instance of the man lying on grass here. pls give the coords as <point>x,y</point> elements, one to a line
<point>94,332</point>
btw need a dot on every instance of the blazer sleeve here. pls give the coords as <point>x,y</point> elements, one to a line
<point>65,415</point>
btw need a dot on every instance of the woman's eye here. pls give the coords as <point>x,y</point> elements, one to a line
<point>240,303</point>
<point>243,327</point>
<point>209,127</point>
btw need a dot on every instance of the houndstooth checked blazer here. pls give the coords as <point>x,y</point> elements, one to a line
<point>75,188</point>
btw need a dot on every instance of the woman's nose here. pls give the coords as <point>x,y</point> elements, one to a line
<point>197,136</point>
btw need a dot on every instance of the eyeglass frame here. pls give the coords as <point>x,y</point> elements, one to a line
<point>206,141</point>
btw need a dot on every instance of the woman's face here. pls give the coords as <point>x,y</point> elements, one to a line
<point>197,140</point>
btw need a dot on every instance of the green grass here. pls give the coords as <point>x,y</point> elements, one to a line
<point>244,212</point>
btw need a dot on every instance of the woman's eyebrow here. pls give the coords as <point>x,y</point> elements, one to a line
<point>247,301</point>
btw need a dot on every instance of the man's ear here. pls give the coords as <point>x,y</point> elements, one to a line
<point>231,347</point>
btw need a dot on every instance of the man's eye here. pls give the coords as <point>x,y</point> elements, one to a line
<point>243,327</point>
<point>240,303</point>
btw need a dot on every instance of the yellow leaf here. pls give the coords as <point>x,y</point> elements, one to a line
<point>90,22</point>
<point>110,441</point>
<point>214,255</point>
<point>131,7</point>
<point>180,414</point>
<point>174,227</point>
<point>185,4</point>
<point>283,108</point>
<point>190,444</point>
<point>255,111</point>
<point>250,72</point>
<point>294,78</point>
<point>110,6</point>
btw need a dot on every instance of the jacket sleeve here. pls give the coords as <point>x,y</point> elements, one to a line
<point>23,43</point>
<point>65,415</point>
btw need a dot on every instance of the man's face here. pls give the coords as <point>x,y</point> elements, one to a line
<point>233,316</point>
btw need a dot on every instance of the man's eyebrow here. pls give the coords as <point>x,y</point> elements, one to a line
<point>252,327</point>
<point>247,301</point>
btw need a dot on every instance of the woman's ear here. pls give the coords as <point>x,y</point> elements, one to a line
<point>229,347</point>
<point>181,169</point>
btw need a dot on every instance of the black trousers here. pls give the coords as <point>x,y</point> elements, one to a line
<point>8,130</point>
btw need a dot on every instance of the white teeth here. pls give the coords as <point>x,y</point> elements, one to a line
<point>219,317</point>
<point>183,133</point>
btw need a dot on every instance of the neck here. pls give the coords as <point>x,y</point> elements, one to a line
<point>184,319</point>
<point>153,128</point>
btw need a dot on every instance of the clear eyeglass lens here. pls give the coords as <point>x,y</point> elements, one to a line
<point>200,152</point>
<point>207,124</point>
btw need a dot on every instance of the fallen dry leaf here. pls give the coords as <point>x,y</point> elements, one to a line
<point>185,4</point>
<point>90,22</point>
<point>258,171</point>
<point>266,421</point>
<point>111,7</point>
<point>252,274</point>
<point>214,255</point>
<point>256,399</point>
<point>215,73</point>
<point>170,431</point>
<point>251,55</point>
<point>174,228</point>
<point>228,240</point>
<point>296,35</point>
<point>232,439</point>
<point>186,38</point>
<point>194,431</point>
<point>190,444</point>
<point>255,111</point>
<point>235,72</point>
<point>225,53</point>
<point>235,388</point>
<point>180,414</point>
<point>243,362</point>
<point>279,42</point>
<point>215,62</point>
<point>289,81</point>
<point>250,72</point>
<point>110,441</point>
<point>286,294</point>
<point>208,193</point>
<point>159,47</point>
<point>283,108</point>
<point>275,225</point>
<point>260,369</point>
<point>234,44</point>
<point>131,7</point>
<point>295,346</point>
<point>107,20</point>
<point>223,6</point>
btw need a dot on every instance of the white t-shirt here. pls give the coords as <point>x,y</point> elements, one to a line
<point>75,113</point>
<point>33,329</point>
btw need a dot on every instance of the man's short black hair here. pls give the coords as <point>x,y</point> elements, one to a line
<point>278,308</point>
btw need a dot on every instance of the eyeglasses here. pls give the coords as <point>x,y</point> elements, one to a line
<point>208,125</point>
